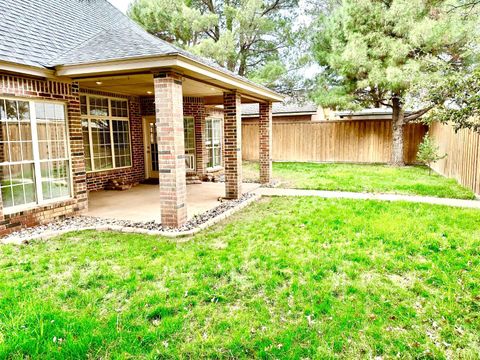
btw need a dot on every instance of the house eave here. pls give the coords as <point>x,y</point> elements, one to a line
<point>37,71</point>
<point>176,61</point>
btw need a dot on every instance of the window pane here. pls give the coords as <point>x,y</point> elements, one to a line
<point>86,145</point>
<point>23,111</point>
<point>3,113</point>
<point>12,112</point>
<point>121,143</point>
<point>83,105</point>
<point>18,186</point>
<point>4,149</point>
<point>119,108</point>
<point>53,152</point>
<point>98,106</point>
<point>55,179</point>
<point>16,148</point>
<point>102,146</point>
<point>189,133</point>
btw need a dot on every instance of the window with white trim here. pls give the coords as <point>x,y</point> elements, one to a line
<point>106,133</point>
<point>213,142</point>
<point>34,158</point>
<point>189,139</point>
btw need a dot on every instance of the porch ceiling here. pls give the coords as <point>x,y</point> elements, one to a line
<point>142,85</point>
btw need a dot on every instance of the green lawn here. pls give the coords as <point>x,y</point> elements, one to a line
<point>285,278</point>
<point>411,180</point>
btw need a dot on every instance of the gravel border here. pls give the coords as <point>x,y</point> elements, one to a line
<point>80,223</point>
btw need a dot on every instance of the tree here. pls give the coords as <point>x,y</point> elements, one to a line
<point>428,152</point>
<point>254,38</point>
<point>462,107</point>
<point>379,53</point>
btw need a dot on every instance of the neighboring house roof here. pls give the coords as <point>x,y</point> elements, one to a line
<point>50,33</point>
<point>365,113</point>
<point>281,109</point>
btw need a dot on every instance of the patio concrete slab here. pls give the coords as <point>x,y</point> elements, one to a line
<point>142,203</point>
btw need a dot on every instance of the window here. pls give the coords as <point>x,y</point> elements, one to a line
<point>34,160</point>
<point>189,136</point>
<point>213,142</point>
<point>106,133</point>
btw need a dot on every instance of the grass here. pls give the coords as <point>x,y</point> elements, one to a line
<point>285,278</point>
<point>410,180</point>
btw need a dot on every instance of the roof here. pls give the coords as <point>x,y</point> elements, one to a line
<point>375,112</point>
<point>278,109</point>
<point>50,33</point>
<point>366,112</point>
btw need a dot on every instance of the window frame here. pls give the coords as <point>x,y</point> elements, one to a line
<point>40,201</point>
<point>110,118</point>
<point>212,146</point>
<point>194,148</point>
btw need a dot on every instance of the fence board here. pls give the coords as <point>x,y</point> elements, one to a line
<point>357,141</point>
<point>463,155</point>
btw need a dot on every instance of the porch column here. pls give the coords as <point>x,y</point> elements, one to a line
<point>171,147</point>
<point>265,141</point>
<point>233,140</point>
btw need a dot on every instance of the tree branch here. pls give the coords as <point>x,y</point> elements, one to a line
<point>416,114</point>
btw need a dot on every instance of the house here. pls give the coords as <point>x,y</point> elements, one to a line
<point>365,114</point>
<point>287,111</point>
<point>87,96</point>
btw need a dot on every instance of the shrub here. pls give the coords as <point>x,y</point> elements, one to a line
<point>428,152</point>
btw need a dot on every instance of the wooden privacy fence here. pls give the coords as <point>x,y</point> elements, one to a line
<point>463,155</point>
<point>357,141</point>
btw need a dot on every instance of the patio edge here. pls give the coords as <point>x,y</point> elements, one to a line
<point>125,229</point>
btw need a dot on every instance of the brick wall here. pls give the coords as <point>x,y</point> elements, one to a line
<point>68,93</point>
<point>147,105</point>
<point>136,173</point>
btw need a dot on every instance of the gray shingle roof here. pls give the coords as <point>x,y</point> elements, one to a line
<point>48,33</point>
<point>281,108</point>
<point>33,32</point>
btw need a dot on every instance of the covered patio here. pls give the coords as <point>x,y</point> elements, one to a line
<point>138,203</point>
<point>171,114</point>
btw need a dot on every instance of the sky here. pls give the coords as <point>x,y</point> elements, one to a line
<point>121,4</point>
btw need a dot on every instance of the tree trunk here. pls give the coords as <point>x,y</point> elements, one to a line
<point>398,122</point>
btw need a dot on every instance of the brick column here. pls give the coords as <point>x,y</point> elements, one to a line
<point>77,149</point>
<point>233,141</point>
<point>265,131</point>
<point>136,133</point>
<point>171,148</point>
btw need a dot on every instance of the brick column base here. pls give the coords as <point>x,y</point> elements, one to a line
<point>233,140</point>
<point>171,148</point>
<point>265,132</point>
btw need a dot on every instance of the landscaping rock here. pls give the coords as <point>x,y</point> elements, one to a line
<point>149,227</point>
